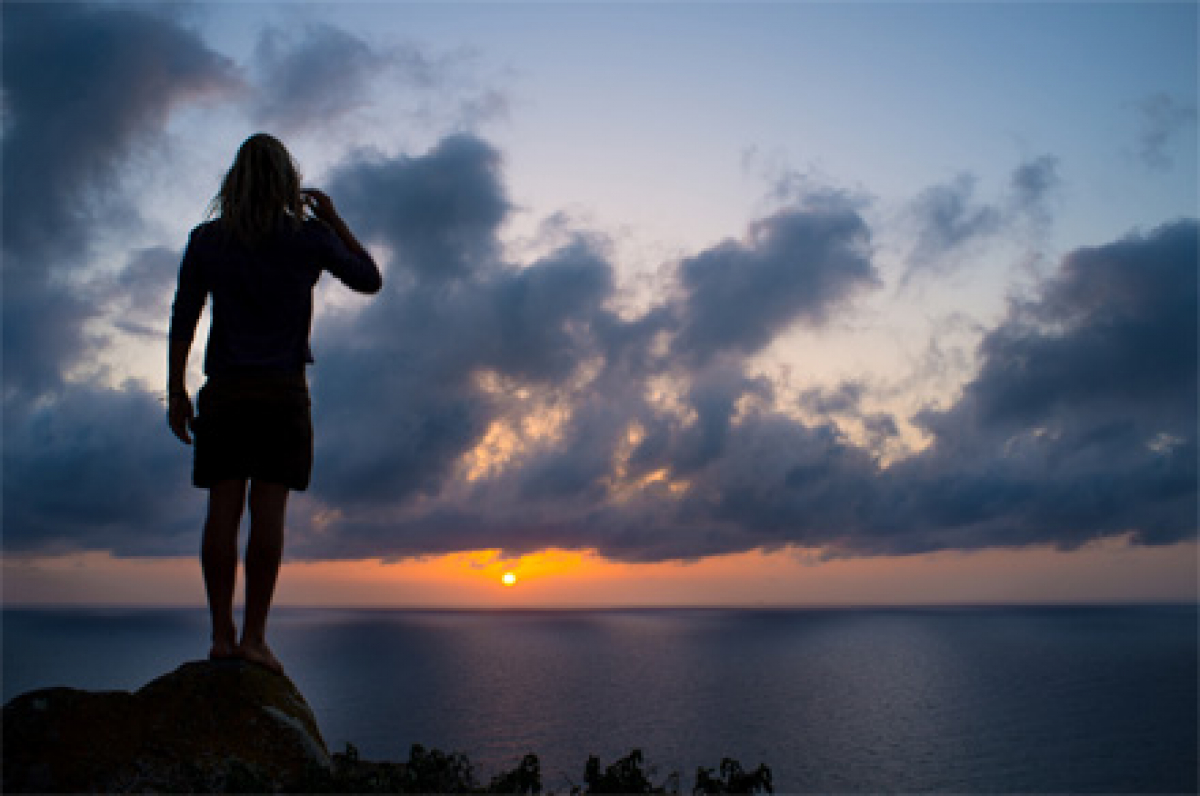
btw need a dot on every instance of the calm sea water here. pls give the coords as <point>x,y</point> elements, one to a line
<point>1079,699</point>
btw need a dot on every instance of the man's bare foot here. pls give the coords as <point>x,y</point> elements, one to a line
<point>222,650</point>
<point>261,654</point>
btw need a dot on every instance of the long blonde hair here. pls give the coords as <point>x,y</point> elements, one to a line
<point>260,188</point>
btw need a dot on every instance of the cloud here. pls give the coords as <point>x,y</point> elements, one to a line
<point>797,265</point>
<point>950,220</point>
<point>438,213</point>
<point>880,430</point>
<point>845,399</point>
<point>312,76</point>
<point>1162,120</point>
<point>43,331</point>
<point>94,468</point>
<point>452,315</point>
<point>1031,187</point>
<point>140,293</point>
<point>1114,327</point>
<point>949,217</point>
<point>309,77</point>
<point>84,86</point>
<point>1081,421</point>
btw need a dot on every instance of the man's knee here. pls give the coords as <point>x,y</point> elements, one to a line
<point>268,502</point>
<point>225,500</point>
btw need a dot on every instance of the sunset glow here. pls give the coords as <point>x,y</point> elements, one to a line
<point>1107,572</point>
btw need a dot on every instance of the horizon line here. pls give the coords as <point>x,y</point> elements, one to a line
<point>602,607</point>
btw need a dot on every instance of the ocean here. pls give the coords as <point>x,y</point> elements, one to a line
<point>964,699</point>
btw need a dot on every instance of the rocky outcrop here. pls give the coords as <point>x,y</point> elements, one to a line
<point>209,726</point>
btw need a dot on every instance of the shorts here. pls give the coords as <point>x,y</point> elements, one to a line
<point>255,425</point>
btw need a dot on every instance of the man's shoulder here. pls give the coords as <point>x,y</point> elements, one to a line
<point>210,225</point>
<point>206,231</point>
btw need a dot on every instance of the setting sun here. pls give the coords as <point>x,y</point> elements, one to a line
<point>509,578</point>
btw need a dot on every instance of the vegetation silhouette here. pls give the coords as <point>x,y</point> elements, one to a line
<point>435,771</point>
<point>733,779</point>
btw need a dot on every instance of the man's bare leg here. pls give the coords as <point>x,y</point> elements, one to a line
<point>218,559</point>
<point>264,552</point>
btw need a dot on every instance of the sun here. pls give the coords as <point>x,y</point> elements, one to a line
<point>509,578</point>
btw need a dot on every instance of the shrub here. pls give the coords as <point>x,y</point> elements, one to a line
<point>434,771</point>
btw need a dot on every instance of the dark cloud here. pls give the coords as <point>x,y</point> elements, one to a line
<point>1162,119</point>
<point>845,403</point>
<point>313,76</point>
<point>43,331</point>
<point>138,297</point>
<point>1032,185</point>
<point>845,399</point>
<point>310,77</point>
<point>797,265</point>
<point>950,219</point>
<point>142,291</point>
<point>1115,327</point>
<point>713,394</point>
<point>84,86</point>
<point>452,314</point>
<point>1082,419</point>
<point>439,213</point>
<point>94,468</point>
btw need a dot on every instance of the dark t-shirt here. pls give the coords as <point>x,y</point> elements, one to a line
<point>262,296</point>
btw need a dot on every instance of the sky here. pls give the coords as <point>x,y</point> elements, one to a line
<point>786,303</point>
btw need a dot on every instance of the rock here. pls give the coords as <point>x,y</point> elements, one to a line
<point>209,726</point>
